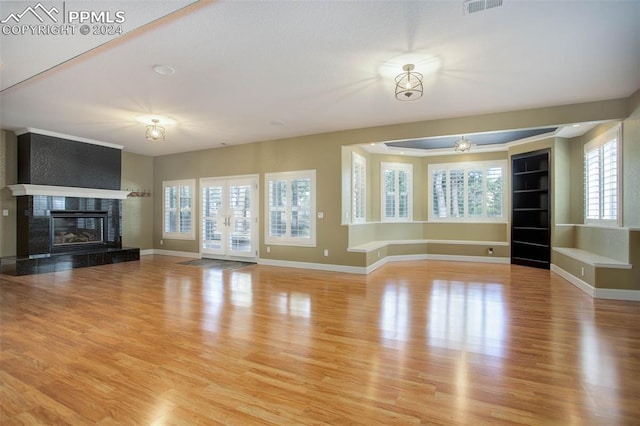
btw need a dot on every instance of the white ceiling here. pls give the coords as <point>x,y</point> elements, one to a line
<point>257,70</point>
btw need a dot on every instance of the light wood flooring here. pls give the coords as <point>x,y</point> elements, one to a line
<point>423,342</point>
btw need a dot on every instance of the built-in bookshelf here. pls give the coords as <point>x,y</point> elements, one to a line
<point>531,209</point>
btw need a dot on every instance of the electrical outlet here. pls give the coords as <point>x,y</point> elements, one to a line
<point>326,252</point>
<point>490,251</point>
<point>161,242</point>
<point>268,249</point>
<point>5,212</point>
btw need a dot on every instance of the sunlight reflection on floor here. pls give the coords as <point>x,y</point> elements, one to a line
<point>467,316</point>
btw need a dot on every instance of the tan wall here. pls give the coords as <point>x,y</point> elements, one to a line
<point>467,231</point>
<point>615,243</point>
<point>468,250</point>
<point>329,155</point>
<point>359,234</point>
<point>631,167</point>
<point>564,236</point>
<point>313,152</point>
<point>561,195</point>
<point>376,231</point>
<point>324,153</point>
<point>137,212</point>
<point>575,267</point>
<point>3,196</point>
<point>576,179</point>
<point>619,244</point>
<point>626,279</point>
<point>608,242</point>
<point>408,250</point>
<point>8,176</point>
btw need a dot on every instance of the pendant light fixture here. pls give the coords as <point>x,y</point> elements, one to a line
<point>154,132</point>
<point>462,145</point>
<point>409,84</point>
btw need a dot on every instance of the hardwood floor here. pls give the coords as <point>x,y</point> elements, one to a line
<point>424,342</point>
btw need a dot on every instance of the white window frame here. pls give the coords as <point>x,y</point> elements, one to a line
<point>288,239</point>
<point>466,167</point>
<point>191,234</point>
<point>598,143</point>
<point>408,168</point>
<point>358,188</point>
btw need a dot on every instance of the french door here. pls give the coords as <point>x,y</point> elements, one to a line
<point>229,218</point>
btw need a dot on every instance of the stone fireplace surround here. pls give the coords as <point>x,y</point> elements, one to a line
<point>60,173</point>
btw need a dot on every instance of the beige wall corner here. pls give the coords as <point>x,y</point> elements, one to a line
<point>8,176</point>
<point>137,209</point>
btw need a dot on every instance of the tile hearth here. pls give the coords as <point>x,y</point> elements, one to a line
<point>39,264</point>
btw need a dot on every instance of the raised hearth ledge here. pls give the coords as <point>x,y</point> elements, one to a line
<point>66,191</point>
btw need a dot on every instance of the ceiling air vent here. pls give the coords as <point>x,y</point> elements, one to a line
<point>473,6</point>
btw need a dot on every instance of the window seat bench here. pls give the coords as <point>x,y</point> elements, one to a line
<point>376,245</point>
<point>589,258</point>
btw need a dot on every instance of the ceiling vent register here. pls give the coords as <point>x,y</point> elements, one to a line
<point>473,6</point>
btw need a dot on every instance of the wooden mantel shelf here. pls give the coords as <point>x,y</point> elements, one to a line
<point>66,191</point>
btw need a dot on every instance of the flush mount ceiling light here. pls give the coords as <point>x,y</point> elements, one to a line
<point>462,145</point>
<point>164,69</point>
<point>154,132</point>
<point>409,84</point>
<point>155,125</point>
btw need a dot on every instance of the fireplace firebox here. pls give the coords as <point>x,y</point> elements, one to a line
<point>78,230</point>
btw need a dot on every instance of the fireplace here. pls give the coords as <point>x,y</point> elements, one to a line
<point>58,233</point>
<point>69,205</point>
<point>78,230</point>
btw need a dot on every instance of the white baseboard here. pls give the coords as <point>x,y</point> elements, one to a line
<point>314,266</point>
<point>616,294</point>
<point>597,293</point>
<point>478,259</point>
<point>398,258</point>
<point>379,263</point>
<point>188,254</point>
<point>369,269</point>
<point>584,286</point>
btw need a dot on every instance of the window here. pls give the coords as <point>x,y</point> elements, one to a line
<point>358,188</point>
<point>291,208</point>
<point>467,191</point>
<point>397,192</point>
<point>178,220</point>
<point>601,178</point>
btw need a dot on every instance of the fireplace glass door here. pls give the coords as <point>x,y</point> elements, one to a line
<point>78,230</point>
